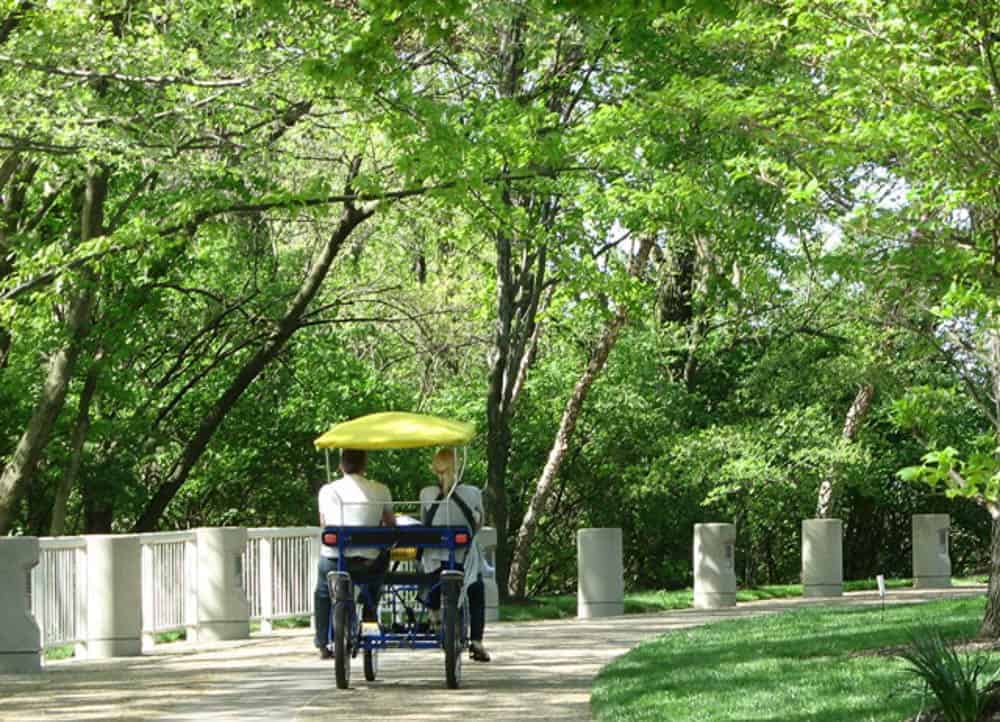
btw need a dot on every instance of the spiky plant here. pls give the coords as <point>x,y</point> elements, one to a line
<point>956,681</point>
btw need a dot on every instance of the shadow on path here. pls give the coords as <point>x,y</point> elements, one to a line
<point>541,671</point>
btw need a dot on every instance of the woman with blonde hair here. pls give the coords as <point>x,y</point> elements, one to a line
<point>443,505</point>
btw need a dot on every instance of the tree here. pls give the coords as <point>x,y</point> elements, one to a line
<point>567,425</point>
<point>909,95</point>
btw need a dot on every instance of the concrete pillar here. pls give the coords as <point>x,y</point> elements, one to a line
<point>822,557</point>
<point>114,595</point>
<point>714,566</point>
<point>600,577</point>
<point>931,561</point>
<point>223,609</point>
<point>487,540</point>
<point>20,638</point>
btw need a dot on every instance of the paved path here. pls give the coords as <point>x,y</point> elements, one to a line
<point>540,671</point>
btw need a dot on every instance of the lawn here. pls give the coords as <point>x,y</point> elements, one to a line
<point>797,666</point>
<point>564,605</point>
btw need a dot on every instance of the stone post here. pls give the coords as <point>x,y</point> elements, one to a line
<point>931,562</point>
<point>20,638</point>
<point>487,540</point>
<point>822,558</point>
<point>223,609</point>
<point>114,595</point>
<point>600,576</point>
<point>714,566</point>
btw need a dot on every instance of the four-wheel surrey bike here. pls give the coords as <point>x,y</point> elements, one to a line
<point>404,619</point>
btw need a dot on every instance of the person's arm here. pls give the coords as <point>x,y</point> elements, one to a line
<point>388,516</point>
<point>477,508</point>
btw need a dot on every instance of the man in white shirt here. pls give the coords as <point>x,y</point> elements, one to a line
<point>351,500</point>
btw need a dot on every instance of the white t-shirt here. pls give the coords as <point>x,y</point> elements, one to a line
<point>353,500</point>
<point>448,513</point>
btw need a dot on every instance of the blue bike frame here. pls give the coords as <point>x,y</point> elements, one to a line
<point>409,634</point>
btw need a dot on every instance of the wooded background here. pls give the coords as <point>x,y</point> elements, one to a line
<point>677,261</point>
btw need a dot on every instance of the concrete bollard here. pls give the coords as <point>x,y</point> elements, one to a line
<point>114,595</point>
<point>822,558</point>
<point>600,576</point>
<point>20,638</point>
<point>487,540</point>
<point>931,562</point>
<point>714,566</point>
<point>223,609</point>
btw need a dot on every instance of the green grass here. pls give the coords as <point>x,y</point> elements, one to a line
<point>66,651</point>
<point>289,623</point>
<point>563,606</point>
<point>795,666</point>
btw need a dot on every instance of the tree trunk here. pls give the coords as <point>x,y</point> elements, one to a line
<point>350,219</point>
<point>497,409</point>
<point>21,468</point>
<point>520,559</point>
<point>72,470</point>
<point>991,618</point>
<point>856,414</point>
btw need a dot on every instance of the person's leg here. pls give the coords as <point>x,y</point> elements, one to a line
<point>434,596</point>
<point>321,601</point>
<point>376,577</point>
<point>477,621</point>
<point>477,610</point>
<point>369,577</point>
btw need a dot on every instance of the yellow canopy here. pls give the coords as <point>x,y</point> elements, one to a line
<point>395,430</point>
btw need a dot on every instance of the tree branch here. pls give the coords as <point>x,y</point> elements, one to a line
<point>202,216</point>
<point>152,80</point>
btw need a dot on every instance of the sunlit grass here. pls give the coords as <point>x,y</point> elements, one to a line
<point>795,666</point>
<point>563,606</point>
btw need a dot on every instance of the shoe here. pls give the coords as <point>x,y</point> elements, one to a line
<point>325,653</point>
<point>478,653</point>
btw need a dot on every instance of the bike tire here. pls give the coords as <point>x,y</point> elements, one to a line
<point>452,622</point>
<point>342,644</point>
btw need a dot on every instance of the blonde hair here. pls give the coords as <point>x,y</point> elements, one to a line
<point>443,464</point>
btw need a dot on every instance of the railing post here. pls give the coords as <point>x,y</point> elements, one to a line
<point>931,561</point>
<point>148,601</point>
<point>600,573</point>
<point>487,540</point>
<point>223,609</point>
<point>82,585</point>
<point>38,586</point>
<point>714,566</point>
<point>265,557</point>
<point>313,566</point>
<point>20,637</point>
<point>191,588</point>
<point>822,558</point>
<point>114,595</point>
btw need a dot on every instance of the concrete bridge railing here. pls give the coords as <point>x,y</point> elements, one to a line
<point>110,595</point>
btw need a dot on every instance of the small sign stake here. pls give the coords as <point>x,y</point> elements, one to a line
<point>880,580</point>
